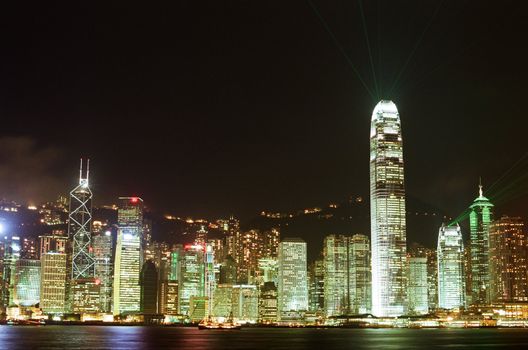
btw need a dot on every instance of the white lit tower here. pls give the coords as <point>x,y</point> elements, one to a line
<point>80,227</point>
<point>387,212</point>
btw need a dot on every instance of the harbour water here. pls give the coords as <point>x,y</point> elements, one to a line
<point>104,337</point>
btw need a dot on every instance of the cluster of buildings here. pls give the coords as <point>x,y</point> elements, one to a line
<point>101,272</point>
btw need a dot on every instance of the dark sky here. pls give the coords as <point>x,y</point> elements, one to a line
<point>208,108</point>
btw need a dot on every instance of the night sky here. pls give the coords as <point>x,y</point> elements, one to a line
<point>212,108</point>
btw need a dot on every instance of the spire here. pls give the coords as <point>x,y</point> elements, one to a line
<point>87,168</point>
<point>80,172</point>
<point>481,192</point>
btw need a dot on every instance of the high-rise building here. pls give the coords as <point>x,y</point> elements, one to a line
<point>316,295</point>
<point>417,288</point>
<point>80,227</point>
<point>268,303</point>
<point>53,282</point>
<point>86,295</point>
<point>128,256</point>
<point>223,301</point>
<point>346,275</point>
<point>480,217</point>
<point>387,207</point>
<point>149,288</point>
<point>336,286</point>
<point>359,274</point>
<point>451,277</point>
<point>104,267</point>
<point>245,303</point>
<point>27,282</point>
<point>209,278</point>
<point>293,284</point>
<point>192,276</point>
<point>9,255</point>
<point>508,260</point>
<point>419,251</point>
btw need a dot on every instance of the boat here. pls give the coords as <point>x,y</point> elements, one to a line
<point>208,323</point>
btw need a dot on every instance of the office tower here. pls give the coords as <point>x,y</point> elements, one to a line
<point>293,284</point>
<point>316,295</point>
<point>268,303</point>
<point>508,260</point>
<point>86,294</point>
<point>201,236</point>
<point>198,306</point>
<point>419,251</point>
<point>53,282</point>
<point>480,217</point>
<point>451,277</point>
<point>27,282</point>
<point>270,243</point>
<point>268,270</point>
<point>247,254</point>
<point>192,276</point>
<point>245,303</point>
<point>417,288</point>
<point>347,275</point>
<point>80,227</point>
<point>223,301</point>
<point>128,256</point>
<point>231,229</point>
<point>149,288</point>
<point>336,286</point>
<point>228,271</point>
<point>387,207</point>
<point>9,255</point>
<point>104,267</point>
<point>359,280</point>
<point>171,298</point>
<point>210,281</point>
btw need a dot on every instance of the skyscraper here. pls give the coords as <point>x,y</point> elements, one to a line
<point>336,286</point>
<point>192,277</point>
<point>80,227</point>
<point>293,284</point>
<point>451,277</point>
<point>508,260</point>
<point>149,288</point>
<point>128,256</point>
<point>417,288</point>
<point>387,207</point>
<point>359,274</point>
<point>53,282</point>
<point>104,270</point>
<point>316,294</point>
<point>480,218</point>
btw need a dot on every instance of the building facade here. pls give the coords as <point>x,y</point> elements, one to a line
<point>387,205</point>
<point>293,284</point>
<point>451,276</point>
<point>508,260</point>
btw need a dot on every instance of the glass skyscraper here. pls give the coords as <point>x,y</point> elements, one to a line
<point>128,256</point>
<point>293,284</point>
<point>27,282</point>
<point>387,207</point>
<point>417,287</point>
<point>451,278</point>
<point>480,218</point>
<point>192,276</point>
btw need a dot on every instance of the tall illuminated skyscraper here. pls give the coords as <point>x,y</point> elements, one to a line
<point>104,269</point>
<point>192,277</point>
<point>387,212</point>
<point>293,282</point>
<point>417,288</point>
<point>480,218</point>
<point>128,256</point>
<point>80,227</point>
<point>508,260</point>
<point>336,287</point>
<point>53,282</point>
<point>451,277</point>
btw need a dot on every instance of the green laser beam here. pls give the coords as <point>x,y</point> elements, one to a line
<point>365,32</point>
<point>508,171</point>
<point>340,47</point>
<point>413,51</point>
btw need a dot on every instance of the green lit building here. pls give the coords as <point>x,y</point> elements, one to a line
<point>480,218</point>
